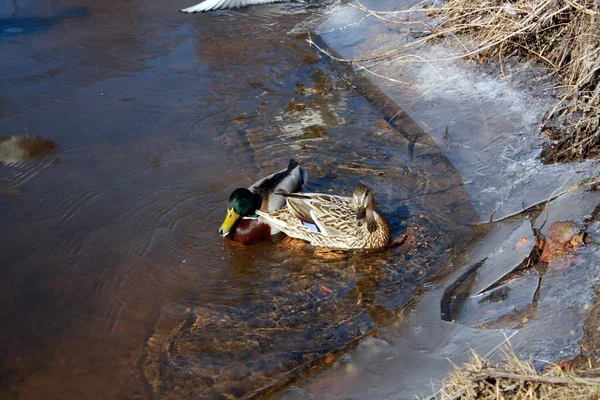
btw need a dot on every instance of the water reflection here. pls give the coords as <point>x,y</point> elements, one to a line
<point>316,108</point>
<point>30,25</point>
<point>22,158</point>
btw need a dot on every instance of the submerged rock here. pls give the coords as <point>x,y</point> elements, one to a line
<point>563,238</point>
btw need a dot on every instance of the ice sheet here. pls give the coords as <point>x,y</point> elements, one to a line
<point>508,256</point>
<point>487,126</point>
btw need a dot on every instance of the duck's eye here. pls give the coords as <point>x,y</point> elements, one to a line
<point>359,223</point>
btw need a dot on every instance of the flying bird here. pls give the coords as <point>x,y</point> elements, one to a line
<point>209,5</point>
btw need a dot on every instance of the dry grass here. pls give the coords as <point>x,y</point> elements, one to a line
<point>518,380</point>
<point>563,34</point>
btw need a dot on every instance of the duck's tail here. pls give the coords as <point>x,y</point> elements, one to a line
<point>304,175</point>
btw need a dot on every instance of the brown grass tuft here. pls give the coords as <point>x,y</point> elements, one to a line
<point>564,34</point>
<point>515,379</point>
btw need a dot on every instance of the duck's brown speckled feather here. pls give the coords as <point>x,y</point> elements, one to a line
<point>336,218</point>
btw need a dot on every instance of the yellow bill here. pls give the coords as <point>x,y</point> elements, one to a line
<point>230,220</point>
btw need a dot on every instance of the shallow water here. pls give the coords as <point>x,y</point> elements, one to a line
<point>125,126</point>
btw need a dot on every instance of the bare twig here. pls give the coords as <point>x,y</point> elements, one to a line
<point>560,380</point>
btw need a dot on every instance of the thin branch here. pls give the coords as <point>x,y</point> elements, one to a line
<point>560,380</point>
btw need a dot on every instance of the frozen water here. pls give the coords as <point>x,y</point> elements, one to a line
<point>487,126</point>
<point>565,294</point>
<point>503,306</point>
<point>513,244</point>
<point>506,258</point>
<point>410,357</point>
<point>593,231</point>
<point>576,206</point>
<point>341,18</point>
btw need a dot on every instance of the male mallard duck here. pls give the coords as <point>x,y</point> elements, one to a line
<point>242,223</point>
<point>208,5</point>
<point>338,222</point>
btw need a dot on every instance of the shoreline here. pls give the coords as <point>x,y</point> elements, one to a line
<point>347,35</point>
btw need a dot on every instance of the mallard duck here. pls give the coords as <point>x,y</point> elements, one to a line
<point>242,223</point>
<point>336,222</point>
<point>209,5</point>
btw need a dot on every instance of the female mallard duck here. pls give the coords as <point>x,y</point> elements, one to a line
<point>242,223</point>
<point>338,222</point>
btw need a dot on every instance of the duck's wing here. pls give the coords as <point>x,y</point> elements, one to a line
<point>288,180</point>
<point>209,5</point>
<point>333,215</point>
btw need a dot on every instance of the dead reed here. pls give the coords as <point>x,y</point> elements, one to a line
<point>515,379</point>
<point>563,34</point>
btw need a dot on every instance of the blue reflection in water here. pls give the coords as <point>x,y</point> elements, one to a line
<point>10,27</point>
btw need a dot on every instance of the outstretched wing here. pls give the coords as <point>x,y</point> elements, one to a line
<point>209,5</point>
